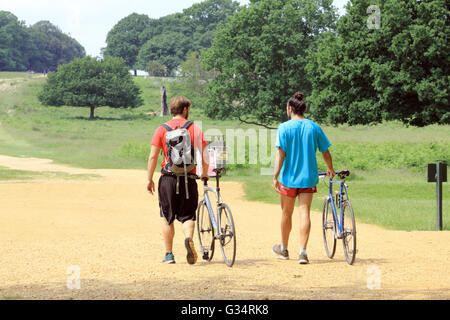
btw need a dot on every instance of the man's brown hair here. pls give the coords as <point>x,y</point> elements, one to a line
<point>177,105</point>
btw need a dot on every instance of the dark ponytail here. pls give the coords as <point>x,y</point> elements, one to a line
<point>298,103</point>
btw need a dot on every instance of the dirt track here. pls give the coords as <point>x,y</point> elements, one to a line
<point>110,228</point>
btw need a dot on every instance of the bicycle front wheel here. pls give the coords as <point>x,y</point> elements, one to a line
<point>227,237</point>
<point>349,236</point>
<point>329,229</point>
<point>205,231</point>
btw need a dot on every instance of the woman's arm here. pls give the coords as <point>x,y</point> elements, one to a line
<point>279,159</point>
<point>329,161</point>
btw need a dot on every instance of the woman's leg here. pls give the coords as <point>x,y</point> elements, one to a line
<point>287,208</point>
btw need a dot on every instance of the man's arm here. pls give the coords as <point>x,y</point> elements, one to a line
<point>279,159</point>
<point>152,162</point>
<point>205,163</point>
<point>329,161</point>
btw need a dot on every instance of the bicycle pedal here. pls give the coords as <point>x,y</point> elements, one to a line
<point>205,256</point>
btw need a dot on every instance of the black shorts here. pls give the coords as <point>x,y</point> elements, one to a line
<point>175,206</point>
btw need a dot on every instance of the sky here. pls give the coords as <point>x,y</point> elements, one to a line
<point>89,21</point>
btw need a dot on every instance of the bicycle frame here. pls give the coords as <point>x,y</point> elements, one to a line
<point>342,193</point>
<point>216,222</point>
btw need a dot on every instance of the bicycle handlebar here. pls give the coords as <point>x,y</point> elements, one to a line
<point>341,174</point>
<point>218,171</point>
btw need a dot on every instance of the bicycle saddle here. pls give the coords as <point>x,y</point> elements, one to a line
<point>219,170</point>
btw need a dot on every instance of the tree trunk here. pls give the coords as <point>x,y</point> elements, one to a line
<point>164,109</point>
<point>92,113</point>
<point>135,72</point>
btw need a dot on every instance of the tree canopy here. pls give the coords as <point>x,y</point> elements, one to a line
<point>14,41</point>
<point>260,56</point>
<point>168,49</point>
<point>125,39</point>
<point>400,70</point>
<point>42,46</point>
<point>140,40</point>
<point>52,47</point>
<point>92,83</point>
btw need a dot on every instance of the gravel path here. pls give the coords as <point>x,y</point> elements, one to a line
<point>110,229</point>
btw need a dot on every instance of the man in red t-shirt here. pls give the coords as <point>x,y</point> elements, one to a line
<point>175,205</point>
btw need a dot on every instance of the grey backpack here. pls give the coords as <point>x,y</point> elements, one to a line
<point>180,153</point>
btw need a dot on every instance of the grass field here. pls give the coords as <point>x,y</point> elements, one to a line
<point>9,175</point>
<point>387,187</point>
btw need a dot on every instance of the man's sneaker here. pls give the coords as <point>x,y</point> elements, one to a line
<point>281,254</point>
<point>169,258</point>
<point>303,259</point>
<point>191,253</point>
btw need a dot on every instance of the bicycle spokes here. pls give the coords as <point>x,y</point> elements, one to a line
<point>349,234</point>
<point>227,237</point>
<point>205,231</point>
<point>329,229</point>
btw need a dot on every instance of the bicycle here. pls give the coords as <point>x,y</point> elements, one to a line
<point>342,226</point>
<point>211,228</point>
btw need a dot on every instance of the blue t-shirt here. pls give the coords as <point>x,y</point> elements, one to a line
<point>300,139</point>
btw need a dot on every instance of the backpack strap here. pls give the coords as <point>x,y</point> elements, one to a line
<point>167,127</point>
<point>187,125</point>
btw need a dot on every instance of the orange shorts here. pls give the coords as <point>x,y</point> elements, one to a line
<point>294,192</point>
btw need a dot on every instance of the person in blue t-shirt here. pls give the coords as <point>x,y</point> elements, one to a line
<point>296,168</point>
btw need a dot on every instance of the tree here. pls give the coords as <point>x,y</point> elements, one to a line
<point>260,56</point>
<point>140,40</point>
<point>156,69</point>
<point>92,83</point>
<point>196,78</point>
<point>205,17</point>
<point>14,43</point>
<point>193,67</point>
<point>51,47</point>
<point>42,46</point>
<point>400,70</point>
<point>126,39</point>
<point>168,49</point>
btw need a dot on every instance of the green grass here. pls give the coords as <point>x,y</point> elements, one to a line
<point>7,174</point>
<point>12,298</point>
<point>387,186</point>
<point>395,199</point>
<point>66,135</point>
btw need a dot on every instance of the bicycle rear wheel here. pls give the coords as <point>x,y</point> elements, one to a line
<point>329,229</point>
<point>227,238</point>
<point>349,236</point>
<point>205,231</point>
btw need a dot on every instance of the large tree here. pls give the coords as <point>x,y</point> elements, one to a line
<point>394,68</point>
<point>51,47</point>
<point>92,83</point>
<point>260,56</point>
<point>15,43</point>
<point>205,16</point>
<point>168,49</point>
<point>140,40</point>
<point>126,38</point>
<point>42,46</point>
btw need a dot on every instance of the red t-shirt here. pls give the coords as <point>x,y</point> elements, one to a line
<point>197,138</point>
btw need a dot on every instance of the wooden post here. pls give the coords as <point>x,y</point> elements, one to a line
<point>438,173</point>
<point>164,109</point>
<point>439,179</point>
